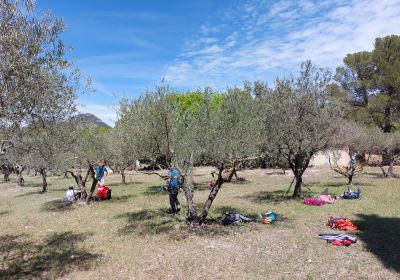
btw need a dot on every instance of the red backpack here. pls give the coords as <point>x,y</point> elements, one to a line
<point>103,192</point>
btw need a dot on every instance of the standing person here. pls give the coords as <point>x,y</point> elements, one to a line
<point>102,191</point>
<point>101,172</point>
<point>173,182</point>
<point>137,165</point>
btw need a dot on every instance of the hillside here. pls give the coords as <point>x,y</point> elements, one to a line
<point>89,120</point>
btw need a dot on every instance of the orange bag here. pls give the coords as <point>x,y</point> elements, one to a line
<point>346,224</point>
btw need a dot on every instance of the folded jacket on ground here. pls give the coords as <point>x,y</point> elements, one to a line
<point>338,239</point>
<point>325,197</point>
<point>314,202</point>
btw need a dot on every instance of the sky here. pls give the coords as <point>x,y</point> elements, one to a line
<point>127,47</point>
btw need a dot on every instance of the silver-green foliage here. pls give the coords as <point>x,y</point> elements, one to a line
<point>298,119</point>
<point>37,81</point>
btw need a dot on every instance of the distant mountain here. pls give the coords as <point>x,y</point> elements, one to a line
<point>89,120</point>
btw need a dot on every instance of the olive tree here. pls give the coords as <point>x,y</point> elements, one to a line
<point>358,142</point>
<point>37,80</point>
<point>14,163</point>
<point>49,149</point>
<point>388,146</point>
<point>122,149</point>
<point>167,129</point>
<point>298,119</point>
<point>229,133</point>
<point>90,146</point>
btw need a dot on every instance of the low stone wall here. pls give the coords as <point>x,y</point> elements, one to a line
<point>322,158</point>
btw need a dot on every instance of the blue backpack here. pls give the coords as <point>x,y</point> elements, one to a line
<point>352,195</point>
<point>175,178</point>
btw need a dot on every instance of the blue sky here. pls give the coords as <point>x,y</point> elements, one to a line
<point>128,46</point>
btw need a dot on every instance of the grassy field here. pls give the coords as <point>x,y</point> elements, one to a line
<point>131,237</point>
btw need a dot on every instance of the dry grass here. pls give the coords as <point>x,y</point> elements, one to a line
<point>131,237</point>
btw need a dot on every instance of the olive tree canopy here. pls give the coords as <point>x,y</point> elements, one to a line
<point>189,128</point>
<point>299,119</point>
<point>37,81</point>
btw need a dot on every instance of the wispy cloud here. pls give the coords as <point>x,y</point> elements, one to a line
<point>261,39</point>
<point>120,72</point>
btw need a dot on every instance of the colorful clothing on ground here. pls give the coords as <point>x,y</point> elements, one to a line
<point>338,239</point>
<point>341,223</point>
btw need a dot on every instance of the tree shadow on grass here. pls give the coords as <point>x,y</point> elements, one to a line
<point>274,196</point>
<point>40,192</point>
<point>154,190</point>
<point>31,184</point>
<point>221,210</point>
<point>149,222</point>
<point>379,175</point>
<point>128,184</point>
<point>154,222</point>
<point>58,205</point>
<point>30,194</point>
<point>4,213</point>
<point>381,236</point>
<point>201,186</point>
<point>54,257</point>
<point>276,172</point>
<point>213,226</point>
<point>326,185</point>
<point>268,196</point>
<point>120,198</point>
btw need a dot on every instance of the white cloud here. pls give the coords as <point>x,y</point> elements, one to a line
<point>262,39</point>
<point>206,29</point>
<point>206,51</point>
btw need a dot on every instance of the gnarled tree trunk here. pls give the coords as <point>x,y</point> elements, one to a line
<point>7,176</point>
<point>209,201</point>
<point>20,179</point>
<point>297,187</point>
<point>188,189</point>
<point>232,173</point>
<point>350,177</point>
<point>43,172</point>
<point>7,171</point>
<point>94,183</point>
<point>298,169</point>
<point>123,176</point>
<point>390,171</point>
<point>211,197</point>
<point>80,182</point>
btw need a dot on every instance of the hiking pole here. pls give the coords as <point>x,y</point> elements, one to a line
<point>308,188</point>
<point>290,186</point>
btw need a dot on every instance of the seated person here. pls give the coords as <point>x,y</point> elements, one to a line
<point>70,194</point>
